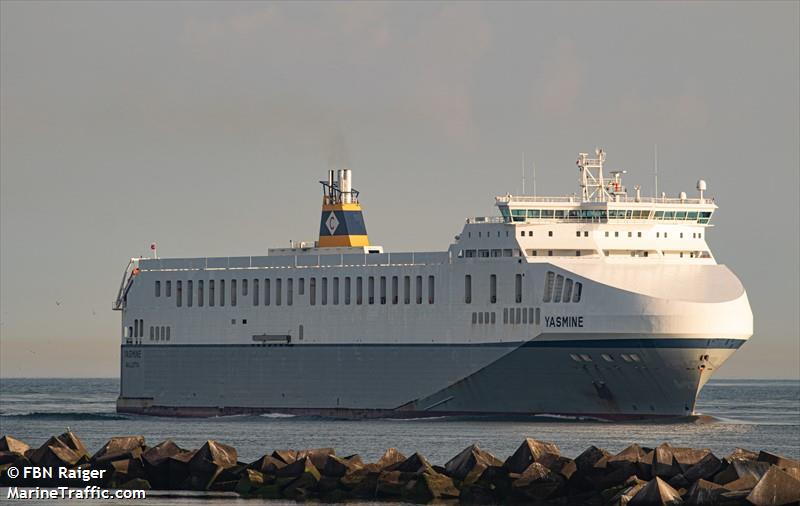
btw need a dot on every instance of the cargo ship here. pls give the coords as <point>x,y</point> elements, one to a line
<point>602,304</point>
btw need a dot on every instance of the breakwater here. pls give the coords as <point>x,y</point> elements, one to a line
<point>535,473</point>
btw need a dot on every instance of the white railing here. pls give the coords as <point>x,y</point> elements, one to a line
<point>509,199</point>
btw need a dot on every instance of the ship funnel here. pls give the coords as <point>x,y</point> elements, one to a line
<point>342,222</point>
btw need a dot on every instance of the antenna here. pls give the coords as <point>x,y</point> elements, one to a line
<point>655,170</point>
<point>523,173</point>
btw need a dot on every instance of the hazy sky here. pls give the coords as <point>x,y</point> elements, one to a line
<point>206,126</point>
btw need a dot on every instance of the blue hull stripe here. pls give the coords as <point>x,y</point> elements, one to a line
<point>687,343</point>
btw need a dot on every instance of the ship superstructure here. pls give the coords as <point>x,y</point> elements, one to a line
<point>600,304</point>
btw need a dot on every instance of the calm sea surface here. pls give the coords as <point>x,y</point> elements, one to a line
<point>759,415</point>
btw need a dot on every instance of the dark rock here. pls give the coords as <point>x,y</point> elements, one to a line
<point>318,456</point>
<point>746,482</point>
<point>590,457</point>
<point>622,494</point>
<point>687,458</point>
<point>55,453</point>
<point>208,462</point>
<point>529,452</point>
<point>267,464</point>
<point>663,463</point>
<point>778,460</point>
<point>468,465</point>
<point>228,478</point>
<point>477,494</point>
<point>656,492</point>
<point>703,493</point>
<point>178,470</point>
<point>125,470</point>
<point>391,483</point>
<point>286,456</point>
<point>615,476</point>
<point>156,463</point>
<point>339,466</point>
<point>497,480</point>
<point>327,484</point>
<point>537,483</point>
<point>302,487</point>
<point>738,469</point>
<point>775,488</point>
<point>558,464</point>
<point>705,469</point>
<point>413,464</point>
<point>741,454</point>
<point>270,491</point>
<point>297,468</point>
<point>632,454</point>
<point>362,483</point>
<point>250,481</point>
<point>74,443</point>
<point>431,486</point>
<point>118,448</point>
<point>390,457</point>
<point>13,445</point>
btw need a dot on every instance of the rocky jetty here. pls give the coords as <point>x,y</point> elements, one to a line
<point>536,473</point>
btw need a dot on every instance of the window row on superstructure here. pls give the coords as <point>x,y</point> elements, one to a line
<point>603,215</point>
<point>323,290</point>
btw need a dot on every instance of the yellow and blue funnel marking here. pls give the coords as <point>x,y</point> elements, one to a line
<point>342,225</point>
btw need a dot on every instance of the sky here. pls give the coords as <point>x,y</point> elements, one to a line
<point>206,126</point>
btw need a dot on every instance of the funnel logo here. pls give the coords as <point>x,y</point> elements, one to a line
<point>332,223</point>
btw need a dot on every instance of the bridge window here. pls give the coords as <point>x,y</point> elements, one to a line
<point>493,288</point>
<point>371,289</point>
<point>324,291</point>
<point>533,213</point>
<point>567,290</point>
<point>558,287</point>
<point>244,288</point>
<point>312,291</point>
<point>336,291</point>
<point>233,292</point>
<point>289,291</point>
<point>278,291</point>
<point>301,286</point>
<point>548,286</point>
<point>576,292</point>
<point>221,292</point>
<point>267,292</point>
<point>200,294</point>
<point>179,294</point>
<point>468,289</point>
<point>347,290</point>
<point>158,288</point>
<point>406,289</point>
<point>547,213</point>
<point>395,290</point>
<point>383,289</point>
<point>255,292</point>
<point>211,294</point>
<point>359,290</point>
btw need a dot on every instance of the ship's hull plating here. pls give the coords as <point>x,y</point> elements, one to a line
<point>540,376</point>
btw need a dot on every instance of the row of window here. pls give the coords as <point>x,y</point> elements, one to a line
<point>334,290</point>
<point>600,215</point>
<point>161,333</point>
<point>695,235</point>
<point>557,288</point>
<point>583,357</point>
<point>511,315</point>
<point>492,288</point>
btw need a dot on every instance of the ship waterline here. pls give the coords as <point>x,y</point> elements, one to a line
<point>603,305</point>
